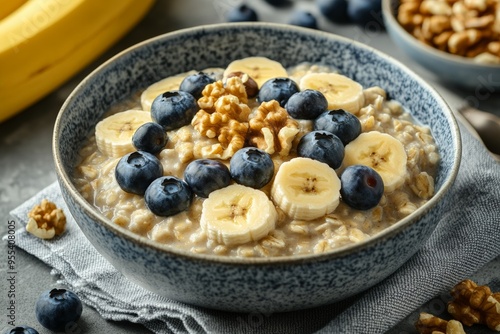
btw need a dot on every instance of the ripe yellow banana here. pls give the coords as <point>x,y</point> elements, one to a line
<point>9,6</point>
<point>45,42</point>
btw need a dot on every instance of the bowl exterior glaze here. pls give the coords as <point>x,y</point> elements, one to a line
<point>448,68</point>
<point>251,285</point>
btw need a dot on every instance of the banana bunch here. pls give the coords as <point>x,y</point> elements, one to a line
<point>7,7</point>
<point>45,42</point>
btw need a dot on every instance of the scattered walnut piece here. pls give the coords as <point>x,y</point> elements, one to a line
<point>429,324</point>
<point>473,304</point>
<point>46,220</point>
<point>271,128</point>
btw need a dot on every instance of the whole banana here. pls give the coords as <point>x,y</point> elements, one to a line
<point>9,6</point>
<point>45,42</point>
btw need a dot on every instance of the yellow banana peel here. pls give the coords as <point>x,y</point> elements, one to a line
<point>45,42</point>
<point>7,7</point>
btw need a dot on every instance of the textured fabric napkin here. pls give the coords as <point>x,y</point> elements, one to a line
<point>465,240</point>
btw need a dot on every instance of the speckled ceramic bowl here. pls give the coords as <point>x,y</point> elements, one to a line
<point>254,284</point>
<point>449,68</point>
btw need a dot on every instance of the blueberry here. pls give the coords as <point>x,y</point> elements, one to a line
<point>334,10</point>
<point>241,13</point>
<point>58,308</point>
<point>363,12</point>
<point>173,109</point>
<point>279,3</point>
<point>341,123</point>
<point>150,137</point>
<point>22,330</point>
<point>206,175</point>
<point>195,83</point>
<point>303,19</point>
<point>168,195</point>
<point>361,187</point>
<point>251,167</point>
<point>307,104</point>
<point>135,171</point>
<point>279,89</point>
<point>323,146</point>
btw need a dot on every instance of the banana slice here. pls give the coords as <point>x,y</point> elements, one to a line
<point>260,69</point>
<point>381,152</point>
<point>160,87</point>
<point>306,189</point>
<point>340,91</point>
<point>237,214</point>
<point>114,133</point>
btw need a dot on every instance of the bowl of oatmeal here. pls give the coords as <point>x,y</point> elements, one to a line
<point>457,41</point>
<point>304,169</point>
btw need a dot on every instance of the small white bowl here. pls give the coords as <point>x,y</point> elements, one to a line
<point>447,67</point>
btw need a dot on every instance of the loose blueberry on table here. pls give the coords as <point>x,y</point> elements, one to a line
<point>306,104</point>
<point>173,109</point>
<point>364,12</point>
<point>279,3</point>
<point>251,167</point>
<point>323,146</point>
<point>22,330</point>
<point>341,123</point>
<point>334,10</point>
<point>361,187</point>
<point>58,308</point>
<point>303,19</point>
<point>242,13</point>
<point>168,195</point>
<point>150,137</point>
<point>279,89</point>
<point>206,175</point>
<point>195,83</point>
<point>135,171</point>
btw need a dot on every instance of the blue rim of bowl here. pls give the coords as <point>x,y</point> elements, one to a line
<point>281,260</point>
<point>388,7</point>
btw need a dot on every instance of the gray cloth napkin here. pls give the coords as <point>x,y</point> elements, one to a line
<point>466,239</point>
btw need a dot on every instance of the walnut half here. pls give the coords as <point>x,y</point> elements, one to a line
<point>271,128</point>
<point>223,116</point>
<point>473,304</point>
<point>430,324</point>
<point>46,220</point>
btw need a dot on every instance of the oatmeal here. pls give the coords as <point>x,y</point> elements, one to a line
<point>293,201</point>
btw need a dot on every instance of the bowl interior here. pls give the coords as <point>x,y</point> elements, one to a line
<point>217,45</point>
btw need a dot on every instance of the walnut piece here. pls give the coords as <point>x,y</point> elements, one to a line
<point>430,324</point>
<point>271,128</point>
<point>223,116</point>
<point>468,28</point>
<point>251,87</point>
<point>473,304</point>
<point>212,92</point>
<point>46,220</point>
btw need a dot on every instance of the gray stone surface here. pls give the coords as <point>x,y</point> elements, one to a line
<point>26,164</point>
